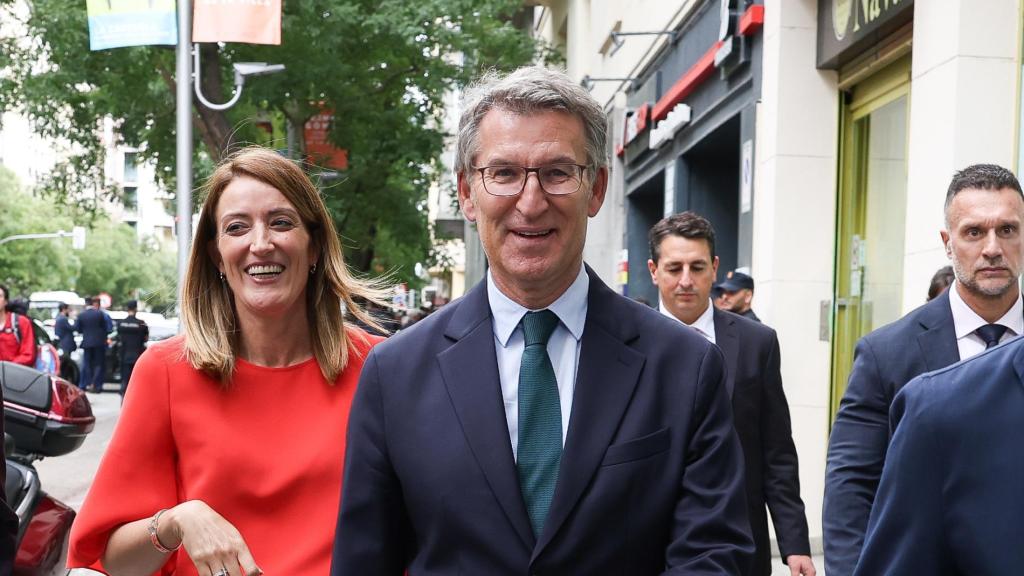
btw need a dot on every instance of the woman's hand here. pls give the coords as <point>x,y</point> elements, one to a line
<point>214,544</point>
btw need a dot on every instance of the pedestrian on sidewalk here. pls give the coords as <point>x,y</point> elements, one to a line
<point>227,458</point>
<point>95,326</point>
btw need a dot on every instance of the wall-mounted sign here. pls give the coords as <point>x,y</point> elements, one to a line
<point>636,123</point>
<point>665,130</point>
<point>746,176</point>
<point>320,151</point>
<point>848,27</point>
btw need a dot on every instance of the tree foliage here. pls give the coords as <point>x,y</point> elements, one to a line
<point>114,261</point>
<point>383,67</point>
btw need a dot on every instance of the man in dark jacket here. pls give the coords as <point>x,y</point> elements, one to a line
<point>983,240</point>
<point>133,334</point>
<point>94,324</point>
<point>65,330</point>
<point>683,266</point>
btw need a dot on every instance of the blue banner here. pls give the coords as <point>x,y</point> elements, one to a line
<point>118,23</point>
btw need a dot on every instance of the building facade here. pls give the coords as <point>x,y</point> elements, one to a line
<point>819,136</point>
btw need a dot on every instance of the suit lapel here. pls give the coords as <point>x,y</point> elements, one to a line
<point>470,371</point>
<point>608,372</point>
<point>938,340</point>
<point>728,341</point>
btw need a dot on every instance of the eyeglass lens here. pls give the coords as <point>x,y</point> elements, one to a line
<point>554,178</point>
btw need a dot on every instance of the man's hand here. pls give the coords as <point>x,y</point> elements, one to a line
<point>800,565</point>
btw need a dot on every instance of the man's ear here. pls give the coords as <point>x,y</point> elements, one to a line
<point>466,203</point>
<point>597,191</point>
<point>653,268</point>
<point>944,234</point>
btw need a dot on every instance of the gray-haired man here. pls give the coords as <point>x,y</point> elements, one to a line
<point>542,424</point>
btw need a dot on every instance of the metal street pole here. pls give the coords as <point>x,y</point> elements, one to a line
<point>184,144</point>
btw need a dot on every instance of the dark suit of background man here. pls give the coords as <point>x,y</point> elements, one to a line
<point>64,329</point>
<point>950,499</point>
<point>94,324</point>
<point>480,444</point>
<point>132,332</point>
<point>983,215</point>
<point>683,266</point>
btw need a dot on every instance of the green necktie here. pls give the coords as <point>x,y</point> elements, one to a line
<point>540,419</point>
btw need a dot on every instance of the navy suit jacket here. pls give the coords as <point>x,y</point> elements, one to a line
<point>63,329</point>
<point>94,324</point>
<point>884,361</point>
<point>761,413</point>
<point>952,492</point>
<point>651,475</point>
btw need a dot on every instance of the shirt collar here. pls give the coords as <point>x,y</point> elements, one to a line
<point>705,323</point>
<point>966,320</point>
<point>570,307</point>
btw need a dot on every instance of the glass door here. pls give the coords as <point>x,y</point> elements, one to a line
<point>871,214</point>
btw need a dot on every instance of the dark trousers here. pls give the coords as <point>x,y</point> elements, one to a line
<point>93,367</point>
<point>126,375</point>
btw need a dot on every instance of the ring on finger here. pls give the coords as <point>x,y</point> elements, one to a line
<point>221,572</point>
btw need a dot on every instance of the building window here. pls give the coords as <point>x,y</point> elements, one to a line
<point>131,171</point>
<point>130,198</point>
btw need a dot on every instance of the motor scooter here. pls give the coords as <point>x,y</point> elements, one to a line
<point>44,415</point>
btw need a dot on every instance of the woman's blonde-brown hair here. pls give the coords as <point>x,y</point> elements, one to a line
<point>207,304</point>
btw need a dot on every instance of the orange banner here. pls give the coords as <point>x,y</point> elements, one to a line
<point>248,21</point>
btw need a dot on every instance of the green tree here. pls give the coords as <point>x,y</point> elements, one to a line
<point>115,262</point>
<point>383,67</point>
<point>30,265</point>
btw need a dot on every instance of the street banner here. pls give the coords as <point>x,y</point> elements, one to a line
<point>248,21</point>
<point>119,23</point>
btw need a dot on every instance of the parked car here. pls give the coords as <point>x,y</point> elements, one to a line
<point>160,328</point>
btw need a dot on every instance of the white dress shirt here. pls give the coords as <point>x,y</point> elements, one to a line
<point>705,324</point>
<point>966,321</point>
<point>563,347</point>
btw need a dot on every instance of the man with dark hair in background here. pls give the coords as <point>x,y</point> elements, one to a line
<point>941,280</point>
<point>683,266</point>
<point>736,293</point>
<point>984,212</point>
<point>133,334</point>
<point>65,331</point>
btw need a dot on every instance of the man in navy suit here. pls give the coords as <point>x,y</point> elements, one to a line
<point>64,329</point>
<point>542,424</point>
<point>95,325</point>
<point>683,266</point>
<point>950,498</point>
<point>984,213</point>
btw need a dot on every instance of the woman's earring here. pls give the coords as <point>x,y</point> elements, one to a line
<point>312,269</point>
<point>221,274</point>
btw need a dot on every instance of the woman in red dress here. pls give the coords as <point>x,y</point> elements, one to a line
<point>227,458</point>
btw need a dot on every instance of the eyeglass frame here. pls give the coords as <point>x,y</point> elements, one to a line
<point>582,168</point>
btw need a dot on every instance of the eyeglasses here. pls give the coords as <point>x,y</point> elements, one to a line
<point>555,179</point>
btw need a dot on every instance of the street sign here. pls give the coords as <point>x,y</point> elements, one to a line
<point>78,238</point>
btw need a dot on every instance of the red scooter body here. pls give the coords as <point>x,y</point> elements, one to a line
<point>46,416</point>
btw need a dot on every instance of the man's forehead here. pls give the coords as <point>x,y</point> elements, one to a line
<point>680,249</point>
